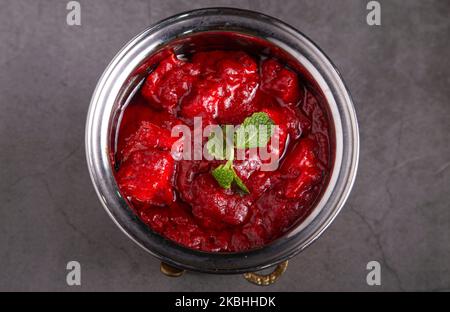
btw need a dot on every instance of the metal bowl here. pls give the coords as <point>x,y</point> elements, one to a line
<point>213,26</point>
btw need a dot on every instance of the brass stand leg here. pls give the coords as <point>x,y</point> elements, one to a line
<point>171,271</point>
<point>266,279</point>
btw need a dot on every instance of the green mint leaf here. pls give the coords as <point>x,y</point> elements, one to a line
<point>240,184</point>
<point>255,131</point>
<point>225,176</point>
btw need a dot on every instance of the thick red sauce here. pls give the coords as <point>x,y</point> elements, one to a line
<point>180,199</point>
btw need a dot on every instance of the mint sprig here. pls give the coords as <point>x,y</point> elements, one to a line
<point>255,131</point>
<point>225,176</point>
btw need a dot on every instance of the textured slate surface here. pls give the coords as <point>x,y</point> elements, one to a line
<point>398,213</point>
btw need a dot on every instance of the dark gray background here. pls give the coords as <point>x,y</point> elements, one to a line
<point>397,214</point>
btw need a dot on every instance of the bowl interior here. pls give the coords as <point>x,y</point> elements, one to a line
<point>209,41</point>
